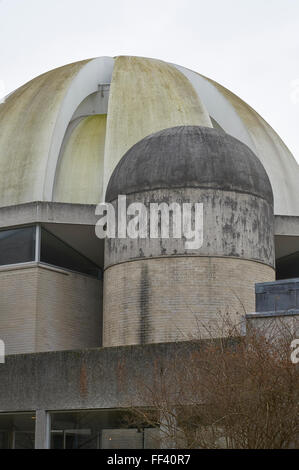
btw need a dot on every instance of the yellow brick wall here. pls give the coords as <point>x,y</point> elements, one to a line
<point>44,309</point>
<point>18,292</point>
<point>169,299</point>
<point>68,311</point>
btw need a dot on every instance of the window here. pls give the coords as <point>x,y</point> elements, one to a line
<point>17,245</point>
<point>24,245</point>
<point>288,267</point>
<point>99,429</point>
<point>17,431</point>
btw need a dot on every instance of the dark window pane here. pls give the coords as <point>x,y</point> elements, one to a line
<point>17,431</point>
<point>99,429</point>
<point>288,267</point>
<point>4,440</point>
<point>58,253</point>
<point>24,440</point>
<point>17,246</point>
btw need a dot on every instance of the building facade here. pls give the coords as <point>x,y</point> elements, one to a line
<point>80,316</point>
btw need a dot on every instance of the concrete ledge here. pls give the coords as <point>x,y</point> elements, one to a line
<point>271,289</point>
<point>83,379</point>
<point>290,313</point>
<point>84,214</point>
<point>37,264</point>
<point>287,225</point>
<point>47,212</point>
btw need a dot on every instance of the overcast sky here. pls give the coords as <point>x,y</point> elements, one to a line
<point>249,46</point>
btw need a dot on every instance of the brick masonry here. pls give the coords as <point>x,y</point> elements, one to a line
<point>177,298</point>
<point>45,309</point>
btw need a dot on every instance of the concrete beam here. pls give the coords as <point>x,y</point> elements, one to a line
<point>287,225</point>
<point>99,378</point>
<point>48,212</point>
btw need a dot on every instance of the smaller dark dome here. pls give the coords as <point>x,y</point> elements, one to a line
<point>189,157</point>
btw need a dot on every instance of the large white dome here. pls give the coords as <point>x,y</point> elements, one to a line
<point>62,134</point>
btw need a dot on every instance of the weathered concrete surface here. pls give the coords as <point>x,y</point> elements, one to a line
<point>238,119</point>
<point>281,166</point>
<point>287,225</point>
<point>80,168</point>
<point>27,121</point>
<point>286,235</point>
<point>275,325</point>
<point>195,164</point>
<point>42,430</point>
<point>33,122</point>
<point>48,212</point>
<point>235,225</point>
<point>86,379</point>
<point>190,157</point>
<point>166,292</point>
<point>147,95</point>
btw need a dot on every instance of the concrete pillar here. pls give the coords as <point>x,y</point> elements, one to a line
<point>42,430</point>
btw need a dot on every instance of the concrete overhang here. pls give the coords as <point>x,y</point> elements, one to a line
<point>75,224</point>
<point>287,225</point>
<point>98,378</point>
<point>84,214</point>
<point>286,235</point>
<point>47,212</point>
<point>72,223</point>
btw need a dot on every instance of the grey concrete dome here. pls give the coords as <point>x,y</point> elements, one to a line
<point>190,157</point>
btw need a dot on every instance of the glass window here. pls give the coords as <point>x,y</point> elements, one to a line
<point>17,245</point>
<point>17,431</point>
<point>98,430</point>
<point>57,253</point>
<point>288,267</point>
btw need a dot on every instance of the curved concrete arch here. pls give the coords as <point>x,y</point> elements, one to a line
<point>218,107</point>
<point>87,81</point>
<point>96,103</point>
<point>79,175</point>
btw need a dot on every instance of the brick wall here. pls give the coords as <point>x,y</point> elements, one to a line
<point>18,293</point>
<point>45,309</point>
<point>169,299</point>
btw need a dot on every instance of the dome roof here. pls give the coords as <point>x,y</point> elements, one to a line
<point>190,157</point>
<point>63,133</point>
